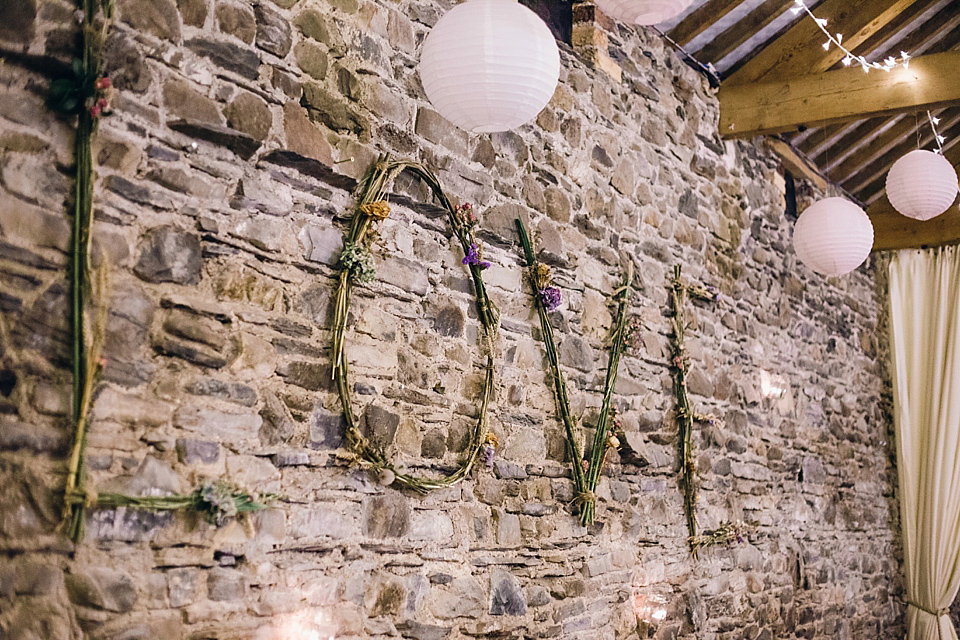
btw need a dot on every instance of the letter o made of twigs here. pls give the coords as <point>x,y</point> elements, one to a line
<point>354,265</point>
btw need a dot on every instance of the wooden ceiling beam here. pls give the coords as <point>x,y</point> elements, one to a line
<point>868,183</point>
<point>701,19</point>
<point>845,133</point>
<point>906,20</point>
<point>927,38</point>
<point>891,230</point>
<point>797,163</point>
<point>904,131</point>
<point>945,42</point>
<point>805,136</point>
<point>930,82</point>
<point>894,231</point>
<point>793,53</point>
<point>855,151</point>
<point>745,28</point>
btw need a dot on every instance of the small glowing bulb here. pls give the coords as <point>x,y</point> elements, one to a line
<point>941,139</point>
<point>847,61</point>
<point>826,46</point>
<point>935,120</point>
<point>821,21</point>
<point>866,69</point>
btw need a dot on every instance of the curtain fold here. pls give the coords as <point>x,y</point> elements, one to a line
<point>925,345</point>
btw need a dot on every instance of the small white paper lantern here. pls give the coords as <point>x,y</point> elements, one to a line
<point>833,236</point>
<point>489,65</point>
<point>922,184</point>
<point>642,11</point>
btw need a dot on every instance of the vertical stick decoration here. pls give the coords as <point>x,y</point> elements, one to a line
<point>687,418</point>
<point>86,96</point>
<point>586,472</point>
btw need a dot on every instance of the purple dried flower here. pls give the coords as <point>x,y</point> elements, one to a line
<point>474,257</point>
<point>488,451</point>
<point>550,297</point>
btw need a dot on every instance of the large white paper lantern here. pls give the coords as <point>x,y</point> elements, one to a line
<point>642,11</point>
<point>833,236</point>
<point>489,65</point>
<point>922,184</point>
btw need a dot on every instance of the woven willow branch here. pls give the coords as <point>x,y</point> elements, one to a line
<point>586,472</point>
<point>372,189</point>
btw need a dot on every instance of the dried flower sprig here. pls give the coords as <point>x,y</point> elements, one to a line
<point>466,216</point>
<point>542,278</point>
<point>371,209</point>
<point>728,533</point>
<point>465,222</point>
<point>474,256</point>
<point>586,471</point>
<point>358,262</point>
<point>379,210</point>
<point>551,297</point>
<point>490,445</point>
<point>218,502</point>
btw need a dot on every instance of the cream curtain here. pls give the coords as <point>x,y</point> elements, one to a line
<point>925,341</point>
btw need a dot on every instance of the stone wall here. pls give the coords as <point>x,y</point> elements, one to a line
<point>224,181</point>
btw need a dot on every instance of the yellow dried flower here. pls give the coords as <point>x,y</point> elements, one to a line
<point>492,439</point>
<point>541,275</point>
<point>379,209</point>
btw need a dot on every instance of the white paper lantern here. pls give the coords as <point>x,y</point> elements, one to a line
<point>489,65</point>
<point>833,236</point>
<point>642,11</point>
<point>922,184</point>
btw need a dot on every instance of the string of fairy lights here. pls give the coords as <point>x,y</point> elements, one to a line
<point>888,64</point>
<point>849,58</point>
<point>934,121</point>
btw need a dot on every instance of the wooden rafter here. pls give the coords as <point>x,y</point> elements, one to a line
<point>743,30</point>
<point>797,163</point>
<point>792,55</point>
<point>907,19</point>
<point>927,39</point>
<point>871,134</point>
<point>843,135</point>
<point>903,134</point>
<point>805,136</point>
<point>837,96</point>
<point>700,20</point>
<point>868,183</point>
<point>894,231</point>
<point>946,41</point>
